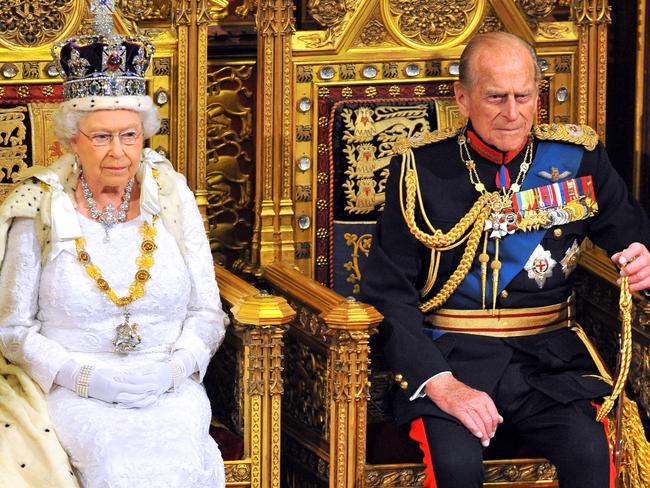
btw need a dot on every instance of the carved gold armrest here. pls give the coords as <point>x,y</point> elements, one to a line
<point>329,342</point>
<point>256,337</point>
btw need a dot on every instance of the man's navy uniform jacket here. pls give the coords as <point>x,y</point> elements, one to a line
<point>560,365</point>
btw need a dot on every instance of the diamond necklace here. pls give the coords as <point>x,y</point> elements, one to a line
<point>109,217</point>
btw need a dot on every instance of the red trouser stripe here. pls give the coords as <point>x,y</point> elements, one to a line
<point>612,467</point>
<point>419,435</point>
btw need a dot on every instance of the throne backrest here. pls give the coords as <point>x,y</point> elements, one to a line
<point>362,137</point>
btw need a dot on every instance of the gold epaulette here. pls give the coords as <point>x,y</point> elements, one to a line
<point>400,147</point>
<point>576,134</point>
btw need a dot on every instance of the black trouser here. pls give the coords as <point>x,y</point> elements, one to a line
<point>567,435</point>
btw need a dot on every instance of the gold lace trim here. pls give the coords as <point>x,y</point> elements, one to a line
<point>576,134</point>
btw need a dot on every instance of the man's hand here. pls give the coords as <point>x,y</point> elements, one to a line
<point>634,262</point>
<point>473,408</point>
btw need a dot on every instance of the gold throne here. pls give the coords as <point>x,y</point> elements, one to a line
<point>244,379</point>
<point>371,75</point>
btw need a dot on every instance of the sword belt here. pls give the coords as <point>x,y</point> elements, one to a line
<point>504,322</point>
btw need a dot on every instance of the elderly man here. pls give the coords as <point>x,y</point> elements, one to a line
<point>471,266</point>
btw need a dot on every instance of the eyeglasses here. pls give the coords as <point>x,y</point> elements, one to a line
<point>127,137</point>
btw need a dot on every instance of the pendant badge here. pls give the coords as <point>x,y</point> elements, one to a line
<point>570,260</point>
<point>540,265</point>
<point>127,337</point>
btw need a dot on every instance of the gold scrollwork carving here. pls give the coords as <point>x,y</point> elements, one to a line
<point>138,10</point>
<point>552,31</point>
<point>308,321</point>
<point>513,472</point>
<point>224,101</point>
<point>537,8</point>
<point>34,23</point>
<point>13,149</point>
<point>305,376</point>
<point>332,15</point>
<point>218,9</point>
<point>365,156</point>
<point>373,34</point>
<point>491,22</point>
<point>237,472</point>
<point>402,478</point>
<point>228,179</point>
<point>432,23</point>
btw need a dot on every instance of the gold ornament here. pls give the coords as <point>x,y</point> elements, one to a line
<point>127,337</point>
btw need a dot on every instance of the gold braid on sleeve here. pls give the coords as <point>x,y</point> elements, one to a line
<point>469,228</point>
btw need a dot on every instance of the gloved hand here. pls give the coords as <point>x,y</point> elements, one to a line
<point>110,385</point>
<point>182,365</point>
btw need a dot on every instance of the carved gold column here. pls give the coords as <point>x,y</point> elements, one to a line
<point>350,324</point>
<point>260,318</point>
<point>201,83</point>
<point>273,235</point>
<point>640,98</point>
<point>193,19</point>
<point>347,326</point>
<point>183,14</point>
<point>592,17</point>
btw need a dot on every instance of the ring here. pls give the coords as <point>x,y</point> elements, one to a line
<point>627,261</point>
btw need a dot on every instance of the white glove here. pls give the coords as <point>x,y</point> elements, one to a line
<point>109,385</point>
<point>161,375</point>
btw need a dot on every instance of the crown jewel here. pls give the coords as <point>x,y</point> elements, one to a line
<point>103,64</point>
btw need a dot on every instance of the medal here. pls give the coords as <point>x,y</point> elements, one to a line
<point>540,265</point>
<point>570,260</point>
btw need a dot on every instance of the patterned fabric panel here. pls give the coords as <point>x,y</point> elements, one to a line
<point>26,135</point>
<point>363,134</point>
<point>351,245</point>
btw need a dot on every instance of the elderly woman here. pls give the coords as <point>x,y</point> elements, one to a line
<point>108,298</point>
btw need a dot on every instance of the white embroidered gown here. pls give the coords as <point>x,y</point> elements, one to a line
<point>53,312</point>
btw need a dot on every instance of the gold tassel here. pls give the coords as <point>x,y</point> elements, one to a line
<point>496,266</point>
<point>635,470</point>
<point>483,259</point>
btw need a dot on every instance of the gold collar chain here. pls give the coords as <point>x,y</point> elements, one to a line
<point>498,202</point>
<point>127,337</point>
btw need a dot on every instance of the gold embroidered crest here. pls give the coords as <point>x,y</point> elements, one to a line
<point>369,134</point>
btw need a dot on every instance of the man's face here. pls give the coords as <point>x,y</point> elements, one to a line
<point>502,97</point>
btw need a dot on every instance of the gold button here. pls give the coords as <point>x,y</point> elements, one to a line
<point>404,385</point>
<point>398,377</point>
<point>557,232</point>
<point>504,294</point>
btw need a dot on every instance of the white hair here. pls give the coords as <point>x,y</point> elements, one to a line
<point>70,113</point>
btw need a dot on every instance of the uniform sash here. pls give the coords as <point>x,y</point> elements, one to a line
<point>515,249</point>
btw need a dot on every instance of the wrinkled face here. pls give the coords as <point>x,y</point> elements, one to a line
<point>109,145</point>
<point>502,97</point>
